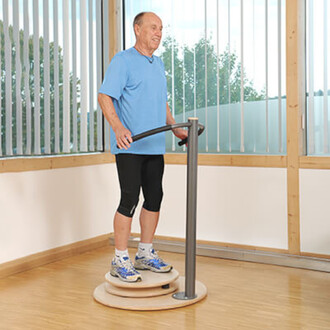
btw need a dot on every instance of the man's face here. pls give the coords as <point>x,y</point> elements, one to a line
<point>149,33</point>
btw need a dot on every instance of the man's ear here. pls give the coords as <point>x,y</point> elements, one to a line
<point>137,29</point>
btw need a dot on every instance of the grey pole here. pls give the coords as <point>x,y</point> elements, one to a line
<point>191,213</point>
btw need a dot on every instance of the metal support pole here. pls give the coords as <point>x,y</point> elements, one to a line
<point>191,213</point>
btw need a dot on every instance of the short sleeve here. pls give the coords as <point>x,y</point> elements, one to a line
<point>115,78</point>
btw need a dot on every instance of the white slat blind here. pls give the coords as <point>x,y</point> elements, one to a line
<point>0,91</point>
<point>317,47</point>
<point>229,80</point>
<point>266,76</point>
<point>53,60</point>
<point>8,79</point>
<point>57,147</point>
<point>325,77</point>
<point>46,77</point>
<point>218,82</point>
<point>279,46</point>
<point>106,61</point>
<point>66,77</point>
<point>91,75</point>
<point>28,114</point>
<point>36,78</point>
<point>18,69</point>
<point>84,77</point>
<point>311,141</point>
<point>99,73</point>
<point>74,77</point>
<point>242,78</point>
<point>173,72</point>
<point>205,78</point>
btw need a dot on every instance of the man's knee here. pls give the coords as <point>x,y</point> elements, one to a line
<point>128,204</point>
<point>153,202</point>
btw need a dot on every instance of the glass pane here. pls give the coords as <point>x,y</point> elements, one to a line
<point>213,48</point>
<point>317,57</point>
<point>37,100</point>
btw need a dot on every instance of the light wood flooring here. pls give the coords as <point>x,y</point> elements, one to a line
<point>241,295</point>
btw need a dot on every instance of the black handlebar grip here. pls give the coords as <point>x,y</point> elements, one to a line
<point>182,142</point>
<point>200,131</point>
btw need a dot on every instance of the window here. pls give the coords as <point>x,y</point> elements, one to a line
<point>51,68</point>
<point>224,64</point>
<point>318,50</point>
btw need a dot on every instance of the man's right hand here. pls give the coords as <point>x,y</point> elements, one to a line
<point>123,138</point>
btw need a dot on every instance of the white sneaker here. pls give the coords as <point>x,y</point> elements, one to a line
<point>124,269</point>
<point>152,262</point>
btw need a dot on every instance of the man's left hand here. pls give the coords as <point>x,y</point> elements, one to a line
<point>180,133</point>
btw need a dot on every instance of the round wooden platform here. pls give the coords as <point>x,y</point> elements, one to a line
<point>150,303</point>
<point>149,280</point>
<point>141,293</point>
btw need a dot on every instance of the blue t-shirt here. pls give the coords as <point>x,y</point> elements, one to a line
<point>137,86</point>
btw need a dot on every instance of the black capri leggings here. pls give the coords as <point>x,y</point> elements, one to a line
<point>134,172</point>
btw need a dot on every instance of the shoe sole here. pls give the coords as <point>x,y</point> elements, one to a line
<point>115,274</point>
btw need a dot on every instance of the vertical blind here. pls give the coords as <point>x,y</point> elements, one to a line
<point>224,64</point>
<point>51,60</point>
<point>317,54</point>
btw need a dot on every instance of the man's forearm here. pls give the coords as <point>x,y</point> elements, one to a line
<point>109,111</point>
<point>169,118</point>
<point>123,135</point>
<point>178,132</point>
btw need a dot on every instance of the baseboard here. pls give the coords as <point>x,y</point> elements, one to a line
<point>169,244</point>
<point>46,257</point>
<point>217,251</point>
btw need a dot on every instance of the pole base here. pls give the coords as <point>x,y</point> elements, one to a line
<point>182,296</point>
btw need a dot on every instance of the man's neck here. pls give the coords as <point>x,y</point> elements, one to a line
<point>143,51</point>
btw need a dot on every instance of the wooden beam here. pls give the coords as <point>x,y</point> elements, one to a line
<point>114,24</point>
<point>230,160</point>
<point>315,162</point>
<point>295,84</point>
<point>23,164</point>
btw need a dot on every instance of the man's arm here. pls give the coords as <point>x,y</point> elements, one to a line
<point>123,135</point>
<point>178,132</point>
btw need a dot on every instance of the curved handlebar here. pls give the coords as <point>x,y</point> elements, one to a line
<point>167,128</point>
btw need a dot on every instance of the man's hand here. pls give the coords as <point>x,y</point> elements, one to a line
<point>180,133</point>
<point>123,137</point>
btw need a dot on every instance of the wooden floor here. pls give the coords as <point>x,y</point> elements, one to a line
<point>241,295</point>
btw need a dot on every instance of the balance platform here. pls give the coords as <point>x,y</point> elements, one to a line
<point>154,292</point>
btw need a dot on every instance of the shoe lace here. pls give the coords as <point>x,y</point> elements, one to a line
<point>156,256</point>
<point>127,263</point>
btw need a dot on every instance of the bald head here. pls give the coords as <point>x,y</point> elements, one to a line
<point>138,18</point>
<point>141,17</point>
<point>148,31</point>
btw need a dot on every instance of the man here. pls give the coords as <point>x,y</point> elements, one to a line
<point>133,98</point>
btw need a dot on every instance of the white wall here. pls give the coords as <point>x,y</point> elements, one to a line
<point>45,209</point>
<point>315,211</point>
<point>235,205</point>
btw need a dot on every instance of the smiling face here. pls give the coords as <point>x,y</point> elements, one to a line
<point>148,33</point>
